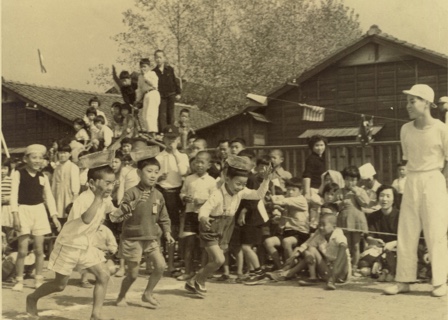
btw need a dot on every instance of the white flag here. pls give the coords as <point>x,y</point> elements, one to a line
<point>313,113</point>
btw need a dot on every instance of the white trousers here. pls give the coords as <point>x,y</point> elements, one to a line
<point>150,111</point>
<point>424,205</point>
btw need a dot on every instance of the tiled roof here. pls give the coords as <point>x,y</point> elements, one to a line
<point>70,103</point>
<point>336,132</point>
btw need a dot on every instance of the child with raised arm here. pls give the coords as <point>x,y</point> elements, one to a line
<point>424,141</point>
<point>351,199</point>
<point>144,214</point>
<point>73,247</point>
<point>217,217</point>
<point>197,188</point>
<point>30,192</point>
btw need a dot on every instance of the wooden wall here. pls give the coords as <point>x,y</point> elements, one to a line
<point>22,127</point>
<point>374,89</point>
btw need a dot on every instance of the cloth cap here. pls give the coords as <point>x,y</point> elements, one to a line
<point>367,171</point>
<point>145,153</point>
<point>144,61</point>
<point>422,91</point>
<point>97,159</point>
<point>35,148</point>
<point>443,100</point>
<point>241,163</point>
<point>171,131</point>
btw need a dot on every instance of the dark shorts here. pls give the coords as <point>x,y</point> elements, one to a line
<point>191,222</point>
<point>219,233</point>
<point>173,204</point>
<point>246,234</point>
<point>300,236</point>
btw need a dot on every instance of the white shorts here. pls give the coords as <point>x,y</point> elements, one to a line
<point>65,259</point>
<point>34,220</point>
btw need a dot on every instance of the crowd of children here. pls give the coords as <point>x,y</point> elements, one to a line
<point>207,211</point>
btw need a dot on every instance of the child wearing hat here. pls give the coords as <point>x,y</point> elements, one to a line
<point>74,247</point>
<point>30,192</point>
<point>147,94</point>
<point>424,142</point>
<point>143,213</point>
<point>217,217</point>
<point>294,221</point>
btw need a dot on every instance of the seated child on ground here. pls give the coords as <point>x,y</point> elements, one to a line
<point>326,253</point>
<point>294,222</point>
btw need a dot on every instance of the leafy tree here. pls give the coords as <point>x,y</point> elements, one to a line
<point>226,49</point>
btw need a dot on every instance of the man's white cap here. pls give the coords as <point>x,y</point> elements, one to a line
<point>422,91</point>
<point>367,171</point>
<point>443,100</point>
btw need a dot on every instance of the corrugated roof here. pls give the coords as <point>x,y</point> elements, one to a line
<point>336,132</point>
<point>69,104</point>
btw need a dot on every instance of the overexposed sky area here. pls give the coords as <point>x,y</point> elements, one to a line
<point>75,35</point>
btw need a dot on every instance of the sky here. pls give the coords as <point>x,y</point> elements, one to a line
<point>76,35</point>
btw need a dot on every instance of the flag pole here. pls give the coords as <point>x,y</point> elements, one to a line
<point>4,145</point>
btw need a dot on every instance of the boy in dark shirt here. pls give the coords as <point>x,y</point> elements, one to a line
<point>169,88</point>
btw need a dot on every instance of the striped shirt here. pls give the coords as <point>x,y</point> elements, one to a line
<point>6,187</point>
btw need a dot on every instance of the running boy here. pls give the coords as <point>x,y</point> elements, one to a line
<point>144,213</point>
<point>30,189</point>
<point>73,247</point>
<point>424,141</point>
<point>217,219</point>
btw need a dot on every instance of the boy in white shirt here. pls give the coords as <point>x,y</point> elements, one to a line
<point>424,141</point>
<point>74,247</point>
<point>105,134</point>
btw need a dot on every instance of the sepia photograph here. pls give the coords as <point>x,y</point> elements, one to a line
<point>224,159</point>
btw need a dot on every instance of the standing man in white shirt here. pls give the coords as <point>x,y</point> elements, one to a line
<point>174,166</point>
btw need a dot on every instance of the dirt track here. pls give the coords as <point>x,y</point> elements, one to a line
<point>285,300</point>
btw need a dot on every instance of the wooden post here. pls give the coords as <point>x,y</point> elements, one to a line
<point>5,146</point>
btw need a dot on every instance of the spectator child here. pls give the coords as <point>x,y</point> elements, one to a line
<point>127,85</point>
<point>30,189</point>
<point>294,221</point>
<point>331,176</point>
<point>185,129</point>
<point>216,217</point>
<point>73,247</point>
<point>147,94</point>
<point>237,145</point>
<point>81,133</point>
<point>65,184</point>
<point>169,88</point>
<point>126,146</point>
<point>95,103</point>
<point>351,199</point>
<point>174,166</point>
<point>280,174</point>
<point>7,217</point>
<point>89,118</point>
<point>399,183</point>
<point>326,253</point>
<point>369,183</point>
<point>144,213</point>
<point>195,191</point>
<point>197,146</point>
<point>129,129</point>
<point>105,134</point>
<point>118,119</point>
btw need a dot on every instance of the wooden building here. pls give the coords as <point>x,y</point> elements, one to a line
<point>366,77</point>
<point>39,114</point>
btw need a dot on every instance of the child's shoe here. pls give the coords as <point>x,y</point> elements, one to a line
<point>185,277</point>
<point>382,277</point>
<point>18,286</point>
<point>309,282</point>
<point>223,277</point>
<point>390,278</point>
<point>86,285</point>
<point>200,290</point>
<point>399,287</point>
<point>439,291</point>
<point>330,285</point>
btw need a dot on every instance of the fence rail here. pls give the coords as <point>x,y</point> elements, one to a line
<point>383,155</point>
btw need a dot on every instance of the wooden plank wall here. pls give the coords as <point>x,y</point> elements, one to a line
<point>374,89</point>
<point>22,127</point>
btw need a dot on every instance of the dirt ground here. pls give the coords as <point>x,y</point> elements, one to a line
<point>360,299</point>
